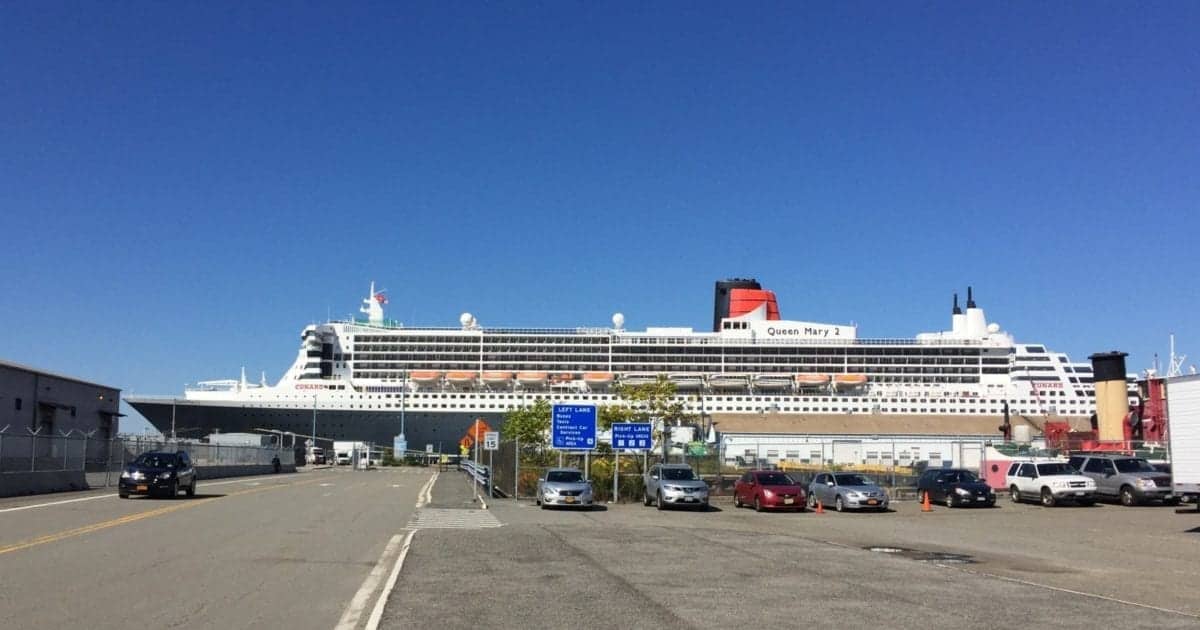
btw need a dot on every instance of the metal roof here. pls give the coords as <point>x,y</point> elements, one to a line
<point>27,368</point>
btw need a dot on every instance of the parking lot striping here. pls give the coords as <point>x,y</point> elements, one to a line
<point>131,518</point>
<point>377,611</point>
<point>355,608</point>
<point>1060,589</point>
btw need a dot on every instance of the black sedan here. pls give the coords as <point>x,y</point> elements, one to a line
<point>955,487</point>
<point>158,473</point>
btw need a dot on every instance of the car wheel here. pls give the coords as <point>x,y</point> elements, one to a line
<point>1127,498</point>
<point>174,492</point>
<point>191,491</point>
<point>123,495</point>
<point>658,502</point>
<point>1047,497</point>
<point>645,498</point>
<point>538,502</point>
<point>757,505</point>
<point>737,501</point>
<point>1014,494</point>
<point>949,499</point>
<point>812,502</point>
<point>839,505</point>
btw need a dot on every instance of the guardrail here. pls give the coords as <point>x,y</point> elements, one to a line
<point>480,474</point>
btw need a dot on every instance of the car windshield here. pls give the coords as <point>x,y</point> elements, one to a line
<point>564,476</point>
<point>962,476</point>
<point>852,480</point>
<point>155,460</point>
<point>1055,469</point>
<point>677,474</point>
<point>775,479</point>
<point>1133,465</point>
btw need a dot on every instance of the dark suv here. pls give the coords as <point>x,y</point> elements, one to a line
<point>158,473</point>
<point>954,487</point>
<point>1132,480</point>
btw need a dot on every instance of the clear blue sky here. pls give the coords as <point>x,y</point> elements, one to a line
<point>184,186</point>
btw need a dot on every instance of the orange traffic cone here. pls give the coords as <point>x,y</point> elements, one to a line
<point>820,508</point>
<point>925,506</point>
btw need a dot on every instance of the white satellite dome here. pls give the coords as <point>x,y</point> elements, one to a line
<point>618,321</point>
<point>465,319</point>
<point>993,328</point>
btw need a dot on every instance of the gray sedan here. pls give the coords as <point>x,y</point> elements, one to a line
<point>564,486</point>
<point>846,491</point>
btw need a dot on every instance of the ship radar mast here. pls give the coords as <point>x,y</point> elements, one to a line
<point>373,305</point>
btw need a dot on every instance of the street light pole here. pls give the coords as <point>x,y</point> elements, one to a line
<point>403,395</point>
<point>172,418</point>
<point>314,428</point>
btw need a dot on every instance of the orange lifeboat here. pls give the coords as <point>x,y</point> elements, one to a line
<point>598,379</point>
<point>849,381</point>
<point>531,378</point>
<point>809,381</point>
<point>497,378</point>
<point>562,378</point>
<point>460,378</point>
<point>425,377</point>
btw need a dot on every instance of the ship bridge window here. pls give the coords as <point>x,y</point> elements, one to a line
<point>1035,349</point>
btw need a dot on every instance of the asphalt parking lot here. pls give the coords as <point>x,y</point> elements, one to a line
<point>629,566</point>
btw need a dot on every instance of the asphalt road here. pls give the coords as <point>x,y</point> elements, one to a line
<point>289,551</point>
<point>340,549</point>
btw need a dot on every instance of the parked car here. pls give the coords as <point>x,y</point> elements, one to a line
<point>158,473</point>
<point>1050,482</point>
<point>673,484</point>
<point>955,487</point>
<point>564,486</point>
<point>768,490</point>
<point>847,491</point>
<point>1131,480</point>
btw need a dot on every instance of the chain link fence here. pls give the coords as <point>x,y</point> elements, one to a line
<point>103,460</point>
<point>516,470</point>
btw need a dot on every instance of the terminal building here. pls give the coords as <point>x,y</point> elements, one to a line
<point>35,400</point>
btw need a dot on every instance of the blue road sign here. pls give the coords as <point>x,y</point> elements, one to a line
<point>573,427</point>
<point>632,436</point>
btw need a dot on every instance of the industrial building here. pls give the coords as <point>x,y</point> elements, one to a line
<point>35,400</point>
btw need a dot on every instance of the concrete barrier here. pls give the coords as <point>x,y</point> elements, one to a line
<point>15,484</point>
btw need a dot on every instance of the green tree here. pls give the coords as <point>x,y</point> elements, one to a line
<point>529,425</point>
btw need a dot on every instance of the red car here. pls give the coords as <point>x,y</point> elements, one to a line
<point>768,490</point>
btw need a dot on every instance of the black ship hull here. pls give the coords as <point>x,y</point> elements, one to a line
<point>442,430</point>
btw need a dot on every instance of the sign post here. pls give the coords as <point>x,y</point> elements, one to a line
<point>630,436</point>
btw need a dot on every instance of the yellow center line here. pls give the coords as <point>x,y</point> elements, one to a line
<point>132,518</point>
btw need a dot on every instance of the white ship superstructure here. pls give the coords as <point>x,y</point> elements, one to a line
<point>362,374</point>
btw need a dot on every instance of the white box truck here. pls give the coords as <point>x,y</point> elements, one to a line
<point>1183,413</point>
<point>344,453</point>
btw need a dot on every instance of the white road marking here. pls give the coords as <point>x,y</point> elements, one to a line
<point>377,612</point>
<point>105,496</point>
<point>38,505</point>
<point>426,495</point>
<point>395,485</point>
<point>325,485</point>
<point>354,609</point>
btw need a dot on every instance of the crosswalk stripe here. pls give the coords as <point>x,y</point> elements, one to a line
<point>442,518</point>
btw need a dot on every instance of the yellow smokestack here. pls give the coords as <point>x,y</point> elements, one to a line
<point>1112,397</point>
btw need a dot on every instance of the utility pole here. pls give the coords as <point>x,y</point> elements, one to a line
<point>314,431</point>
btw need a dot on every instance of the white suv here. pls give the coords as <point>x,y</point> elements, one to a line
<point>1049,481</point>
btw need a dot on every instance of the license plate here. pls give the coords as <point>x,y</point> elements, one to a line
<point>871,502</point>
<point>788,501</point>
<point>1079,494</point>
<point>569,500</point>
<point>142,488</point>
<point>981,498</point>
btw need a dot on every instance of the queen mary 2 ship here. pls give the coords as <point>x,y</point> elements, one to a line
<point>362,379</point>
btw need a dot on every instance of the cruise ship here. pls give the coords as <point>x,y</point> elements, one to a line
<point>371,378</point>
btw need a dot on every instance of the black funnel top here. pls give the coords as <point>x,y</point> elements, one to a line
<point>721,297</point>
<point>970,298</point>
<point>1108,366</point>
<point>956,311</point>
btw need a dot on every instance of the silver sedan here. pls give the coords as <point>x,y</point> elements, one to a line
<point>564,486</point>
